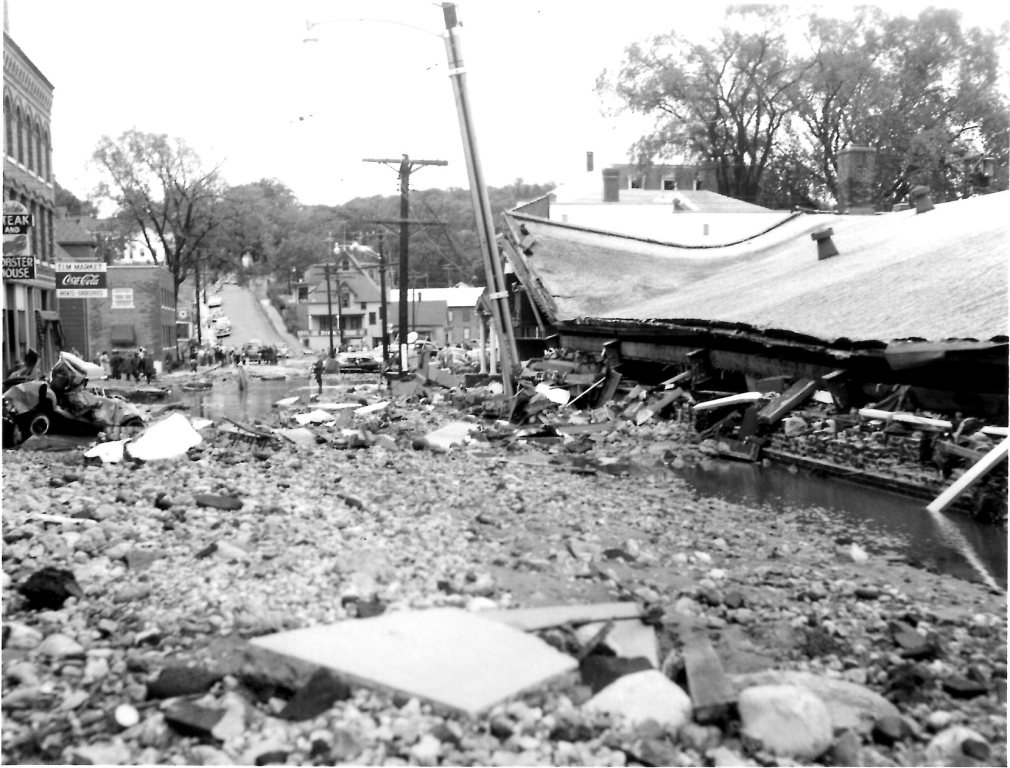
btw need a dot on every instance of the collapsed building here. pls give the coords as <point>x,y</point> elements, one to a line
<point>903,312</point>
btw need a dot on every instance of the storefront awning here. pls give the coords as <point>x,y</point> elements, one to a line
<point>123,334</point>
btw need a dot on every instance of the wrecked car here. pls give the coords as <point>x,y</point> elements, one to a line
<point>63,404</point>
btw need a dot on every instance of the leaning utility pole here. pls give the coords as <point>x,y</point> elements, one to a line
<point>406,167</point>
<point>496,291</point>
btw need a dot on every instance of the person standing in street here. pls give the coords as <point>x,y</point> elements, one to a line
<point>104,361</point>
<point>317,369</point>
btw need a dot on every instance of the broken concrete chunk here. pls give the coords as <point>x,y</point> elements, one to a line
<point>217,502</point>
<point>711,691</point>
<point>166,439</point>
<point>787,720</point>
<point>850,706</point>
<point>315,697</point>
<point>444,655</point>
<point>642,696</point>
<point>453,433</point>
<point>181,681</point>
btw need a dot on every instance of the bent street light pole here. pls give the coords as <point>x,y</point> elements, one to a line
<point>497,295</point>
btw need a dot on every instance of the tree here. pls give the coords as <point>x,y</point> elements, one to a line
<point>64,198</point>
<point>924,92</point>
<point>160,185</point>
<point>723,101</point>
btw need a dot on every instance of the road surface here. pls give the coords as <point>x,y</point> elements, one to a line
<point>249,319</point>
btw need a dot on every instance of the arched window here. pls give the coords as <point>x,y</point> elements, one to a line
<point>49,158</point>
<point>21,136</point>
<point>8,128</point>
<point>29,146</point>
<point>40,152</point>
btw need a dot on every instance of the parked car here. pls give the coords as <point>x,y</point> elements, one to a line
<point>357,360</point>
<point>251,350</point>
<point>268,355</point>
<point>214,300</point>
<point>283,351</point>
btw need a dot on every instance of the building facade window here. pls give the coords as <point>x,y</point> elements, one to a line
<point>8,129</point>
<point>29,146</point>
<point>450,316</point>
<point>122,298</point>
<point>371,318</point>
<point>21,136</point>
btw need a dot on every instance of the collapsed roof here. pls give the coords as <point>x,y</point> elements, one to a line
<point>935,276</point>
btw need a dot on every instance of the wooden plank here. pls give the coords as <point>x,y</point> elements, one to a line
<point>793,397</point>
<point>741,399</point>
<point>970,477</point>
<point>711,692</point>
<point>952,449</point>
<point>531,619</point>
<point>905,418</point>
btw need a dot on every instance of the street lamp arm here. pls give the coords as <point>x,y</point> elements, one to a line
<point>310,25</point>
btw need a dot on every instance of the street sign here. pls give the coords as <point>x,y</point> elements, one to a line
<point>81,280</point>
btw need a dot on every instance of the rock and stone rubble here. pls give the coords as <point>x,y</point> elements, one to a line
<point>869,660</point>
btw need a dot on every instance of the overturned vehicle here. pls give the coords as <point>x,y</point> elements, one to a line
<point>63,404</point>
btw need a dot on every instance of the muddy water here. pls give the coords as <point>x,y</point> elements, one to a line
<point>226,399</point>
<point>882,522</point>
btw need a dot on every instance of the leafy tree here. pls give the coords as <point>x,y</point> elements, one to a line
<point>722,101</point>
<point>64,198</point>
<point>160,185</point>
<point>924,92</point>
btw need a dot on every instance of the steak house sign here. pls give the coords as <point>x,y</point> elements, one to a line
<point>81,280</point>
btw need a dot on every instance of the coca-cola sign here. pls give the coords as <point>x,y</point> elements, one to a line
<point>81,280</point>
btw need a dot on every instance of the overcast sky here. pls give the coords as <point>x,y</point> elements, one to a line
<point>238,82</point>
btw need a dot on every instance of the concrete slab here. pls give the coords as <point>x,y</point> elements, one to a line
<point>444,655</point>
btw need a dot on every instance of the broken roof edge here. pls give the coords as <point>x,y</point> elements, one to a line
<point>787,217</point>
<point>784,335</point>
<point>527,277</point>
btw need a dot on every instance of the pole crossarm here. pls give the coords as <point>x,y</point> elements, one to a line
<point>404,167</point>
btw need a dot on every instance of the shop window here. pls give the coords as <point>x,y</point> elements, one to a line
<point>669,184</point>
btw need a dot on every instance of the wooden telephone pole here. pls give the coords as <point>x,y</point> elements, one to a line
<point>406,167</point>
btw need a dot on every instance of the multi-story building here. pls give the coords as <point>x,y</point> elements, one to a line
<point>343,296</point>
<point>139,312</point>
<point>30,317</point>
<point>460,322</point>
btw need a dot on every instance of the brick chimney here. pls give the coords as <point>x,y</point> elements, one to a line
<point>611,185</point>
<point>856,169</point>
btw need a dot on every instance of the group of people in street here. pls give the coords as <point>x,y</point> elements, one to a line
<point>129,365</point>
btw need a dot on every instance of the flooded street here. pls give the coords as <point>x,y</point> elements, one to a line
<point>883,522</point>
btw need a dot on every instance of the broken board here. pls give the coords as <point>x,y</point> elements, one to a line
<point>531,619</point>
<point>443,655</point>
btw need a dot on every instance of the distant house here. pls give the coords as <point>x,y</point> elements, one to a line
<point>669,203</point>
<point>460,322</point>
<point>344,296</point>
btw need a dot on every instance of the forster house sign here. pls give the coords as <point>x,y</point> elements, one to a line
<point>81,280</point>
<point>19,263</point>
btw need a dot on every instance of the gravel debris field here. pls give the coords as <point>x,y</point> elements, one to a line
<point>372,521</point>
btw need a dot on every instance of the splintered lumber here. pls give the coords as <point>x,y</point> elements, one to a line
<point>532,619</point>
<point>792,398</point>
<point>970,477</point>
<point>711,692</point>
<point>742,399</point>
<point>905,418</point>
